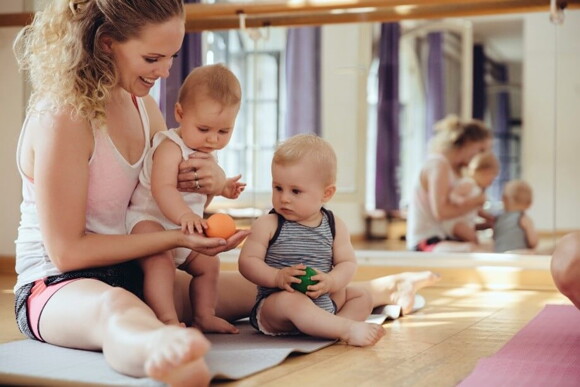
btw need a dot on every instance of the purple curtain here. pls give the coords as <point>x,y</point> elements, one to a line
<point>501,127</point>
<point>303,81</point>
<point>189,57</point>
<point>479,98</point>
<point>435,82</point>
<point>387,191</point>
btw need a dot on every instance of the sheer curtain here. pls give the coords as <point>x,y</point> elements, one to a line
<point>303,81</point>
<point>387,192</point>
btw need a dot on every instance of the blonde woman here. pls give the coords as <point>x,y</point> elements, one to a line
<point>452,148</point>
<point>89,124</point>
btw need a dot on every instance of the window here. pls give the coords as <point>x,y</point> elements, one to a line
<point>257,62</point>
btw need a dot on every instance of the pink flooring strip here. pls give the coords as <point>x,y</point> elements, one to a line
<point>546,352</point>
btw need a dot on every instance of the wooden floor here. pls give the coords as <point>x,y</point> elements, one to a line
<point>438,346</point>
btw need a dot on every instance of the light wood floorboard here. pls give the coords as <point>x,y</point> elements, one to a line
<point>438,346</point>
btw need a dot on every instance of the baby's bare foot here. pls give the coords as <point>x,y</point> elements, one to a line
<point>176,357</point>
<point>214,324</point>
<point>362,334</point>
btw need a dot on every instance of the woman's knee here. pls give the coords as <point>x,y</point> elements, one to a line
<point>116,301</point>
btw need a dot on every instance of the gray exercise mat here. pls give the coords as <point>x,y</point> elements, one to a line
<point>29,362</point>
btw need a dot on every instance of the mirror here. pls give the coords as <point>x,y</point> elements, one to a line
<point>347,65</point>
<point>546,89</point>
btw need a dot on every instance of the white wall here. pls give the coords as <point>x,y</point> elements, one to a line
<point>345,62</point>
<point>551,116</point>
<point>11,112</point>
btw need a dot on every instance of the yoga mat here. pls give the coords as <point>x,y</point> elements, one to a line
<point>29,362</point>
<point>546,352</point>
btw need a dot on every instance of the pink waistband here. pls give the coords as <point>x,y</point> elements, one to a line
<point>39,296</point>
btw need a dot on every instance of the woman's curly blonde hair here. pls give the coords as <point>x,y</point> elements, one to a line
<point>66,64</point>
<point>452,133</point>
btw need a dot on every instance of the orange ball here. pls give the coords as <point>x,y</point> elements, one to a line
<point>220,226</point>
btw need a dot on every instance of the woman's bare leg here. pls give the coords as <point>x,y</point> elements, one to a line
<point>236,296</point>
<point>89,314</point>
<point>398,289</point>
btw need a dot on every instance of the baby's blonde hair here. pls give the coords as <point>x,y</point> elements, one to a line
<point>216,82</point>
<point>317,150</point>
<point>485,161</point>
<point>451,133</point>
<point>519,192</point>
<point>62,53</point>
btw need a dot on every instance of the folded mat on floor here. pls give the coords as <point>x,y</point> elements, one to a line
<point>231,357</point>
<point>546,352</point>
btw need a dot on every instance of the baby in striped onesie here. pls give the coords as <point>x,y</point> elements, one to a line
<point>300,232</point>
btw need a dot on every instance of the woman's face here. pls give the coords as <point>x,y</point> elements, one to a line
<point>472,148</point>
<point>143,60</point>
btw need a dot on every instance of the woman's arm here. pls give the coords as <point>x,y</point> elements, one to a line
<point>435,180</point>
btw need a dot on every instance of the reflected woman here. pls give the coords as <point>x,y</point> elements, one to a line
<point>454,145</point>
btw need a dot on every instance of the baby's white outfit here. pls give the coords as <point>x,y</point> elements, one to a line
<point>469,218</point>
<point>143,205</point>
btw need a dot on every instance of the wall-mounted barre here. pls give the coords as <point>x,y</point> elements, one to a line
<point>219,16</point>
<point>316,12</point>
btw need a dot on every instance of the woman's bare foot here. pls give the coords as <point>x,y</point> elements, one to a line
<point>214,324</point>
<point>176,357</point>
<point>362,334</point>
<point>400,289</point>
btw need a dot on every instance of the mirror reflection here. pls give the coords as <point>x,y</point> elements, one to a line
<point>469,67</point>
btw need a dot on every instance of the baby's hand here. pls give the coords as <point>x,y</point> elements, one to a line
<point>287,276</point>
<point>233,187</point>
<point>192,223</point>
<point>324,285</point>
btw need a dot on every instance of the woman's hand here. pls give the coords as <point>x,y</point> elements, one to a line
<point>201,173</point>
<point>213,246</point>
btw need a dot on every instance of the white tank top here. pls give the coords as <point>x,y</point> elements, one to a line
<point>421,223</point>
<point>111,183</point>
<point>143,205</point>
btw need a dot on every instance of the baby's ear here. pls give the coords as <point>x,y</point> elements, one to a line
<point>178,112</point>
<point>329,192</point>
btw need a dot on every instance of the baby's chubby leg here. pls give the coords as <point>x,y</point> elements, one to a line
<point>353,303</point>
<point>158,278</point>
<point>203,293</point>
<point>285,311</point>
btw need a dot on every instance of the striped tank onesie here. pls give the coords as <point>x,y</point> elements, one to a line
<point>294,243</point>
